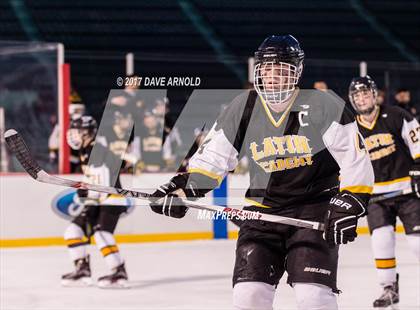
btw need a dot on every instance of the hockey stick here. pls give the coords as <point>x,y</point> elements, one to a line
<point>17,145</point>
<point>390,195</point>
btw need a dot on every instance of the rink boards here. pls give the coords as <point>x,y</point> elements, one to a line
<point>28,217</point>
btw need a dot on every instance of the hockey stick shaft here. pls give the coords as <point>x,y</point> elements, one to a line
<point>386,196</point>
<point>19,148</point>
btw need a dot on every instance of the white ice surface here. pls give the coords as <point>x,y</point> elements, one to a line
<point>182,275</point>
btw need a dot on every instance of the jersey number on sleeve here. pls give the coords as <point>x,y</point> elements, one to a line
<point>414,134</point>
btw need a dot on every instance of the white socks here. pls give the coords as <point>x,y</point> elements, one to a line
<point>253,296</point>
<point>76,241</point>
<point>260,296</point>
<point>414,243</point>
<point>383,246</point>
<point>314,296</point>
<point>105,242</point>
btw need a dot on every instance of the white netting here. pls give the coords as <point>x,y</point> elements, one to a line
<point>29,95</point>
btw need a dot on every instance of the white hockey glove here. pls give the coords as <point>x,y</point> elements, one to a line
<point>341,220</point>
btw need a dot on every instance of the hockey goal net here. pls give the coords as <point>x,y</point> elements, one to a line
<point>32,86</point>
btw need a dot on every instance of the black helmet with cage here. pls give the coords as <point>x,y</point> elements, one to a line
<point>81,129</point>
<point>278,68</point>
<point>360,86</point>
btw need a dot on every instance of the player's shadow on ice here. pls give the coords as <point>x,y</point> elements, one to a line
<point>172,280</point>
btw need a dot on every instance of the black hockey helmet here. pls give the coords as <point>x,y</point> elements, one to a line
<point>279,49</point>
<point>123,118</point>
<point>81,129</point>
<point>84,122</point>
<point>360,84</point>
<point>278,68</point>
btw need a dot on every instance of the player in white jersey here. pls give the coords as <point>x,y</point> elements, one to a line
<point>100,214</point>
<point>298,143</point>
<point>392,138</point>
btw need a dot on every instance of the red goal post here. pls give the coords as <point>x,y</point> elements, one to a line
<point>64,118</point>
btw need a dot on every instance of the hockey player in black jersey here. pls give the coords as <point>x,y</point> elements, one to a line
<point>392,137</point>
<point>100,214</point>
<point>298,143</point>
<point>155,156</point>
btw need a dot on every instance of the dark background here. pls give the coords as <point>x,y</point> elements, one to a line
<point>213,40</point>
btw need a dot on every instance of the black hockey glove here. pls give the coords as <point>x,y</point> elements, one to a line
<point>167,200</point>
<point>86,197</point>
<point>415,179</point>
<point>82,193</point>
<point>341,220</point>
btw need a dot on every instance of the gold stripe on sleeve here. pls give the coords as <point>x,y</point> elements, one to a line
<point>209,174</point>
<point>256,203</point>
<point>358,189</point>
<point>404,179</point>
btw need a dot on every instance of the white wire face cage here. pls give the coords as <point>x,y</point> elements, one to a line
<point>361,90</point>
<point>74,138</point>
<point>276,81</point>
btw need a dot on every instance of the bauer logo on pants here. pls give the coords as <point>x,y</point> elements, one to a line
<point>64,206</point>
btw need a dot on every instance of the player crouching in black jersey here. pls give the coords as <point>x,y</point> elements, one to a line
<point>298,143</point>
<point>392,138</point>
<point>99,215</point>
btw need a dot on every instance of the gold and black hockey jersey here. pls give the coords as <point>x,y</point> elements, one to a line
<point>152,149</point>
<point>99,162</point>
<point>294,156</point>
<point>393,144</point>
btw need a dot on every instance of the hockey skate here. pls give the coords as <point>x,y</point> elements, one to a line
<point>80,277</point>
<point>389,298</point>
<point>118,279</point>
